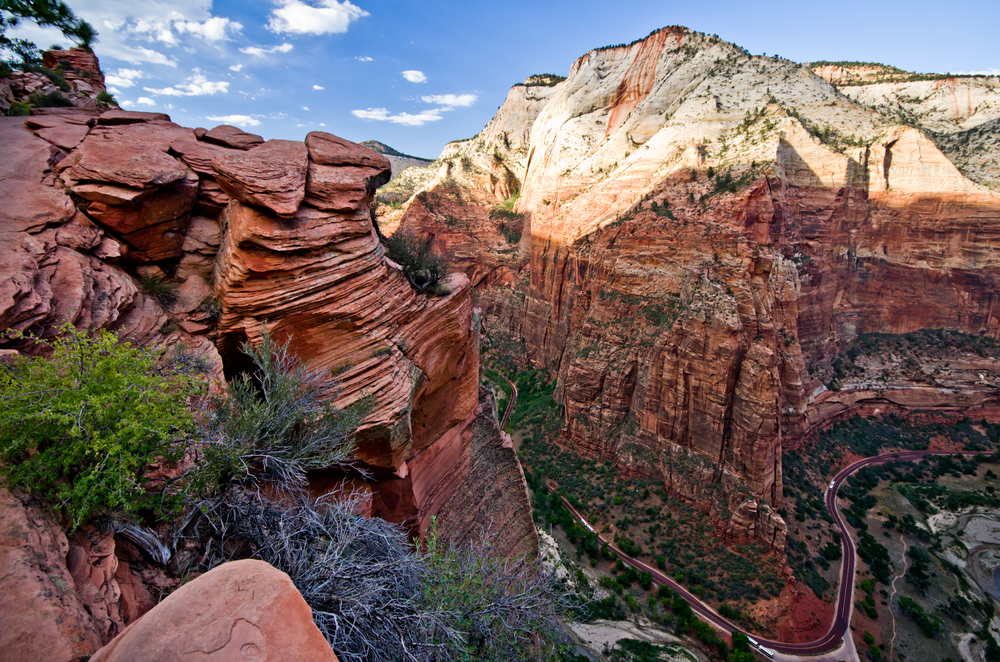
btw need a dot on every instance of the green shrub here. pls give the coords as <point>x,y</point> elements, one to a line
<point>53,99</point>
<point>423,269</point>
<point>54,76</point>
<point>275,424</point>
<point>106,98</point>
<point>79,428</point>
<point>160,289</point>
<point>19,109</point>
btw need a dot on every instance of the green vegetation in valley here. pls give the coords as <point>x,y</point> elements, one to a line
<point>651,524</point>
<point>882,348</point>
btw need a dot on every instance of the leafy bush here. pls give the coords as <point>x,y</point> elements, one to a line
<point>275,424</point>
<point>929,624</point>
<point>423,269</point>
<point>80,427</point>
<point>53,99</point>
<point>106,98</point>
<point>19,109</point>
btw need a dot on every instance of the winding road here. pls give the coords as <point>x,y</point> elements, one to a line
<point>842,613</point>
<point>510,404</point>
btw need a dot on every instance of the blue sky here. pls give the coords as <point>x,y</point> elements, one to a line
<point>418,74</point>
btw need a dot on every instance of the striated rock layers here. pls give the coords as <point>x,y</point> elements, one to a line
<point>317,274</point>
<point>701,232</point>
<point>192,241</point>
<point>296,250</point>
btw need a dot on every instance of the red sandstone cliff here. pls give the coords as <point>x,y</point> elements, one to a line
<point>248,233</point>
<point>704,230</point>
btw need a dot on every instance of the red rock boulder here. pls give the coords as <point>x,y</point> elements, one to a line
<point>240,610</point>
<point>272,176</point>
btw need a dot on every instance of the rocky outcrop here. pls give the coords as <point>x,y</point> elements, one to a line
<point>701,232</point>
<point>319,278</point>
<point>79,66</point>
<point>243,609</point>
<point>42,616</point>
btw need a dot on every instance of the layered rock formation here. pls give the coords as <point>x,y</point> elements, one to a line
<point>318,277</point>
<point>702,231</point>
<point>193,240</point>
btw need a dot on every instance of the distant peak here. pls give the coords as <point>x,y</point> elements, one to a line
<point>382,148</point>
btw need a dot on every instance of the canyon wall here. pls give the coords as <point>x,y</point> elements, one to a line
<point>702,231</point>
<point>193,241</point>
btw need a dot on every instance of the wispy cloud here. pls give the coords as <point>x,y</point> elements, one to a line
<point>236,67</point>
<point>414,76</point>
<point>124,77</point>
<point>305,107</point>
<point>363,58</point>
<point>984,72</point>
<point>140,55</point>
<point>450,101</point>
<point>217,28</point>
<point>318,87</point>
<point>239,120</point>
<point>193,86</point>
<point>406,119</point>
<point>327,17</point>
<point>145,101</point>
<point>260,50</point>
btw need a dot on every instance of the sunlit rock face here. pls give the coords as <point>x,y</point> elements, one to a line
<point>702,232</point>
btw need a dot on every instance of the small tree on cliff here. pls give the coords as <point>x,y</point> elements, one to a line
<point>45,13</point>
<point>423,269</point>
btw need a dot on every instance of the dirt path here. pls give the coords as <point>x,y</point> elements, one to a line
<point>892,643</point>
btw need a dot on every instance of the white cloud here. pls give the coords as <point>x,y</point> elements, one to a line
<point>127,104</point>
<point>193,86</point>
<point>363,58</point>
<point>322,123</point>
<point>124,77</point>
<point>414,76</point>
<point>305,108</point>
<point>239,120</point>
<point>260,51</point>
<point>236,67</point>
<point>145,101</point>
<point>114,90</point>
<point>298,17</point>
<point>985,72</point>
<point>406,119</point>
<point>169,106</point>
<point>450,101</point>
<point>140,55</point>
<point>217,28</point>
<point>317,87</point>
<point>130,28</point>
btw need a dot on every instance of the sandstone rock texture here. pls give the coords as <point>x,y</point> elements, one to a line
<point>42,616</point>
<point>239,610</point>
<point>79,66</point>
<point>319,277</point>
<point>701,232</point>
<point>190,241</point>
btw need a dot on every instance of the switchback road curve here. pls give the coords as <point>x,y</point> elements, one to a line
<point>842,612</point>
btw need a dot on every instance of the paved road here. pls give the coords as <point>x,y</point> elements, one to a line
<point>510,405</point>
<point>842,614</point>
